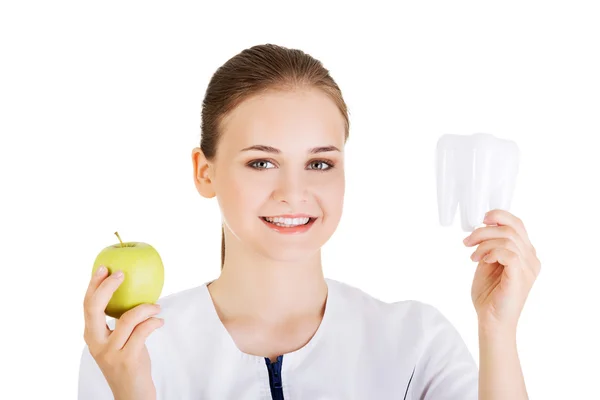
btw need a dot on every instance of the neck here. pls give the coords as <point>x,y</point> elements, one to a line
<point>255,288</point>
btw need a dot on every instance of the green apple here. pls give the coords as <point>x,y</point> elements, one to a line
<point>143,274</point>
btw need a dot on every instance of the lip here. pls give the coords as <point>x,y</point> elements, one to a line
<point>290,231</point>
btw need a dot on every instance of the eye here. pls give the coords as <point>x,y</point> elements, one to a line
<point>260,163</point>
<point>322,163</point>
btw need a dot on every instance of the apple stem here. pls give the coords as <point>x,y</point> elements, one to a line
<point>117,233</point>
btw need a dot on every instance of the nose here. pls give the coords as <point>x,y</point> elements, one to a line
<point>291,188</point>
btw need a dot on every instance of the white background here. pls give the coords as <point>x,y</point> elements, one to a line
<point>100,109</point>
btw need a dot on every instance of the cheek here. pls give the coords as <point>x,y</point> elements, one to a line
<point>331,197</point>
<point>245,194</point>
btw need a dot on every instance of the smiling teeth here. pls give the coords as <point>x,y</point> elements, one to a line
<point>288,222</point>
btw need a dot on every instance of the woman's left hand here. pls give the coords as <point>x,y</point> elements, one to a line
<point>508,267</point>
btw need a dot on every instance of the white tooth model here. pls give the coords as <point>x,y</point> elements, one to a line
<point>478,172</point>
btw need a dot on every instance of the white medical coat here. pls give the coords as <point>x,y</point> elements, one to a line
<point>364,348</point>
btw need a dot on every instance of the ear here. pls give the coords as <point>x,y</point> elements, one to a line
<point>202,170</point>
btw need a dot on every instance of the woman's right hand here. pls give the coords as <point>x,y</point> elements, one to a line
<point>121,354</point>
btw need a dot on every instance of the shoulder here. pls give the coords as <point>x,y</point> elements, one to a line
<point>406,318</point>
<point>179,306</point>
<point>414,310</point>
<point>183,303</point>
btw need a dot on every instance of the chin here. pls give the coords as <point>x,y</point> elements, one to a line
<point>288,253</point>
<point>283,247</point>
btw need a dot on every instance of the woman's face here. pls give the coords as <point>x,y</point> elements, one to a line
<point>298,169</point>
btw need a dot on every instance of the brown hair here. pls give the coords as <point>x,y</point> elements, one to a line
<point>253,72</point>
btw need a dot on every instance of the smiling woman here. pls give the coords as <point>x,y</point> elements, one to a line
<point>251,105</point>
<point>274,128</point>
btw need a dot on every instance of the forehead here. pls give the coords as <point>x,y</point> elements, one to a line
<point>283,119</point>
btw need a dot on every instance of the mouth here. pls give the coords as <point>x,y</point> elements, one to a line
<point>289,222</point>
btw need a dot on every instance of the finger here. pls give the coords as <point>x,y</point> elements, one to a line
<point>505,218</point>
<point>508,258</point>
<point>95,322</point>
<point>486,233</point>
<point>96,306</point>
<point>138,337</point>
<point>485,247</point>
<point>128,321</point>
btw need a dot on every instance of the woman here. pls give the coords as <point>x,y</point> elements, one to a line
<point>274,126</point>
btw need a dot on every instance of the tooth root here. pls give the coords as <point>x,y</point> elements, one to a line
<point>464,223</point>
<point>479,184</point>
<point>447,184</point>
<point>502,194</point>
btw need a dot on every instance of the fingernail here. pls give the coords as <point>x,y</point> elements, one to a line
<point>466,240</point>
<point>101,270</point>
<point>118,274</point>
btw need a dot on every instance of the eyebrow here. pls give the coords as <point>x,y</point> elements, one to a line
<point>270,149</point>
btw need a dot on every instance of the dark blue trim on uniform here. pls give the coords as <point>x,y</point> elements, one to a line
<point>409,381</point>
<point>275,377</point>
